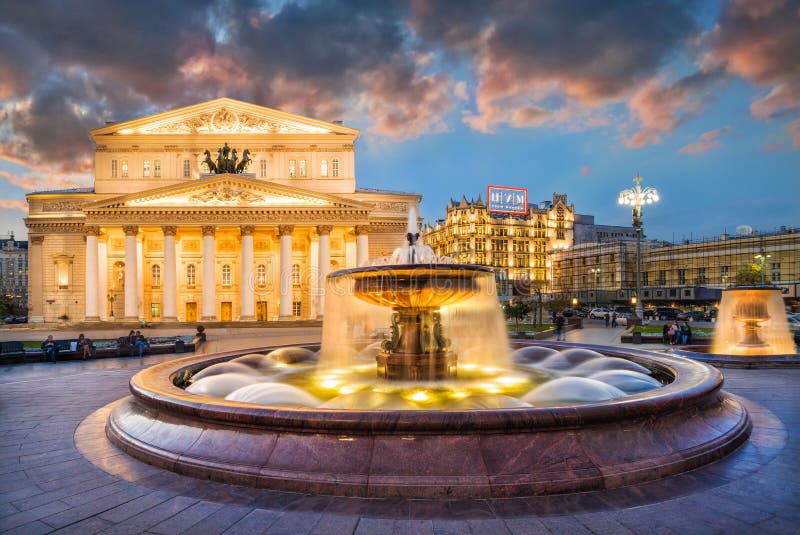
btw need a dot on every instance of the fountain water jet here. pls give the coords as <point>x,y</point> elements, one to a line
<point>752,321</point>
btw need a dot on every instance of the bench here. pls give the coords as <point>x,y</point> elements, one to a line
<point>11,352</point>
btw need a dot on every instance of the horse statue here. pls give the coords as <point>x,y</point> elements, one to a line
<point>232,161</point>
<point>242,167</point>
<point>220,162</point>
<point>212,167</point>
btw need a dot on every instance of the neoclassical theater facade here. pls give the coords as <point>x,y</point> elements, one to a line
<point>177,228</point>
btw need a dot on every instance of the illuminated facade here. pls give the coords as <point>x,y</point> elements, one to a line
<point>161,237</point>
<point>673,273</point>
<point>14,270</point>
<point>516,246</point>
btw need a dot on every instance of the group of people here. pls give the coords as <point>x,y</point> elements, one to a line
<point>611,317</point>
<point>84,346</point>
<point>676,334</point>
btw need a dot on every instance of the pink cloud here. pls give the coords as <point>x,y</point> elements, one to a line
<point>586,170</point>
<point>39,180</point>
<point>794,133</point>
<point>782,97</point>
<point>14,205</point>
<point>659,109</point>
<point>771,147</point>
<point>706,142</point>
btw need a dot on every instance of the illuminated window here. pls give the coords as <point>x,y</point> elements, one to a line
<point>335,167</point>
<point>187,170</point>
<point>261,275</point>
<point>296,308</point>
<point>124,168</point>
<point>302,168</point>
<point>157,168</point>
<point>190,275</point>
<point>226,275</point>
<point>263,168</point>
<point>296,274</point>
<point>323,168</point>
<point>292,169</point>
<point>146,168</point>
<point>155,310</point>
<point>113,168</point>
<point>156,275</point>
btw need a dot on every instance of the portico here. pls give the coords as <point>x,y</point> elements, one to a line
<point>194,245</point>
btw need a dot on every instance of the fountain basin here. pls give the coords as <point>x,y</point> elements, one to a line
<point>434,453</point>
<point>724,360</point>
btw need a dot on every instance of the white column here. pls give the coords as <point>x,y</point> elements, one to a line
<point>247,284</point>
<point>35,279</point>
<point>324,264</point>
<point>170,312</point>
<point>362,245</point>
<point>131,277</point>
<point>209,276</point>
<point>140,276</point>
<point>285,298</point>
<point>92,310</point>
<point>102,278</point>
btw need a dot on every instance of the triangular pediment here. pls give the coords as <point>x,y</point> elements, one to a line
<point>229,191</point>
<point>223,116</point>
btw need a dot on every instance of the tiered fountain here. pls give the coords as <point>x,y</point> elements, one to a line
<point>751,331</point>
<point>439,408</point>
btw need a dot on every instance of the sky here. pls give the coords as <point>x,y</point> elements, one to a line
<point>702,98</point>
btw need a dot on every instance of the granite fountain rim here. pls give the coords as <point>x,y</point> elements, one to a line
<point>693,384</point>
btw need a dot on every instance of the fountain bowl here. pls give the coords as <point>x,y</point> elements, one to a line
<point>485,453</point>
<point>414,286</point>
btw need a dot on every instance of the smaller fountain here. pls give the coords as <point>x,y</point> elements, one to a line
<point>751,331</point>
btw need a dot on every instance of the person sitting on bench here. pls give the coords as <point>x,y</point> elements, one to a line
<point>84,347</point>
<point>50,348</point>
<point>140,342</point>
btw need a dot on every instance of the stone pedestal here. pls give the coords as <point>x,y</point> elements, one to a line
<point>417,350</point>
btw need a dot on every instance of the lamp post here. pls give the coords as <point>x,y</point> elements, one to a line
<point>637,197</point>
<point>595,271</point>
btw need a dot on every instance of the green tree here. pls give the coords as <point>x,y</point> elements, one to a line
<point>557,305</point>
<point>516,310</point>
<point>750,275</point>
<point>6,306</point>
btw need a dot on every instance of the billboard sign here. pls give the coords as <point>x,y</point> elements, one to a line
<point>505,200</point>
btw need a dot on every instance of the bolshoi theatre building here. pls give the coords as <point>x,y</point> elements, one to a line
<point>221,211</point>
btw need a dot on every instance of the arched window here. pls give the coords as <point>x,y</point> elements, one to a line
<point>296,274</point>
<point>335,167</point>
<point>226,275</point>
<point>156,275</point>
<point>190,275</point>
<point>323,168</point>
<point>261,275</point>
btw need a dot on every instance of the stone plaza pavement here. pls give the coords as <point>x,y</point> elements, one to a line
<point>59,474</point>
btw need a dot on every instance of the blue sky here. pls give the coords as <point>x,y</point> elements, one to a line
<point>701,98</point>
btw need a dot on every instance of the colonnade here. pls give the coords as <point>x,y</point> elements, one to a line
<point>133,278</point>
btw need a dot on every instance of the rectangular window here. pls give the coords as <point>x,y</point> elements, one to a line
<point>187,169</point>
<point>701,275</point>
<point>645,278</point>
<point>113,168</point>
<point>302,168</point>
<point>681,276</point>
<point>662,277</point>
<point>124,168</point>
<point>296,308</point>
<point>335,167</point>
<point>263,168</point>
<point>292,169</point>
<point>323,168</point>
<point>146,168</point>
<point>157,168</point>
<point>155,310</point>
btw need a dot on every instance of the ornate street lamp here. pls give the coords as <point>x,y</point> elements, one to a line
<point>637,197</point>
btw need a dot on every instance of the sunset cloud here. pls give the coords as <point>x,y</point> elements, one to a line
<point>706,142</point>
<point>586,170</point>
<point>14,205</point>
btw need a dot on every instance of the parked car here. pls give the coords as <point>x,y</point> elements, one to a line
<point>598,313</point>
<point>667,313</point>
<point>15,319</point>
<point>692,315</point>
<point>711,313</point>
<point>794,326</point>
<point>622,319</point>
<point>570,312</point>
<point>624,309</point>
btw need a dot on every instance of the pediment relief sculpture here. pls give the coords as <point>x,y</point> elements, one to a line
<point>228,121</point>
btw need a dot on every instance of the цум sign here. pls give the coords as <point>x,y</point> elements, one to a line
<point>504,200</point>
